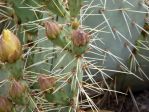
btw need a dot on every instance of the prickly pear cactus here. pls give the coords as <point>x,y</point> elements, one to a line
<point>138,64</point>
<point>56,52</point>
<point>115,26</point>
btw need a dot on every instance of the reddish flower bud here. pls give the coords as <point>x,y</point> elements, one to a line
<point>52,30</point>
<point>10,47</point>
<point>17,89</point>
<point>79,38</point>
<point>5,105</point>
<point>46,82</point>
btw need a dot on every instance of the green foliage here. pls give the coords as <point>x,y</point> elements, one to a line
<point>67,47</point>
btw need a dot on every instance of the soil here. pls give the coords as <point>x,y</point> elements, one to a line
<point>135,102</point>
<point>138,102</point>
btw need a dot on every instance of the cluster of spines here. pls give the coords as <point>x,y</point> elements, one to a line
<point>77,43</point>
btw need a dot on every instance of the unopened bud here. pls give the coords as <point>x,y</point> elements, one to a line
<point>75,24</point>
<point>52,30</point>
<point>17,89</point>
<point>46,82</point>
<point>79,38</point>
<point>5,105</point>
<point>10,47</point>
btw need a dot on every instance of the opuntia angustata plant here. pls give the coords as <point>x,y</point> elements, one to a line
<point>55,54</point>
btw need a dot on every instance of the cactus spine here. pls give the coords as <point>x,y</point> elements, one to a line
<point>57,50</point>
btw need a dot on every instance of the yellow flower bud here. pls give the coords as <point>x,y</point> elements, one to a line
<point>10,47</point>
<point>75,24</point>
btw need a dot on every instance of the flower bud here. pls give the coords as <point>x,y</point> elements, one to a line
<point>5,105</point>
<point>17,89</point>
<point>79,38</point>
<point>52,30</point>
<point>75,24</point>
<point>10,47</point>
<point>46,82</point>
